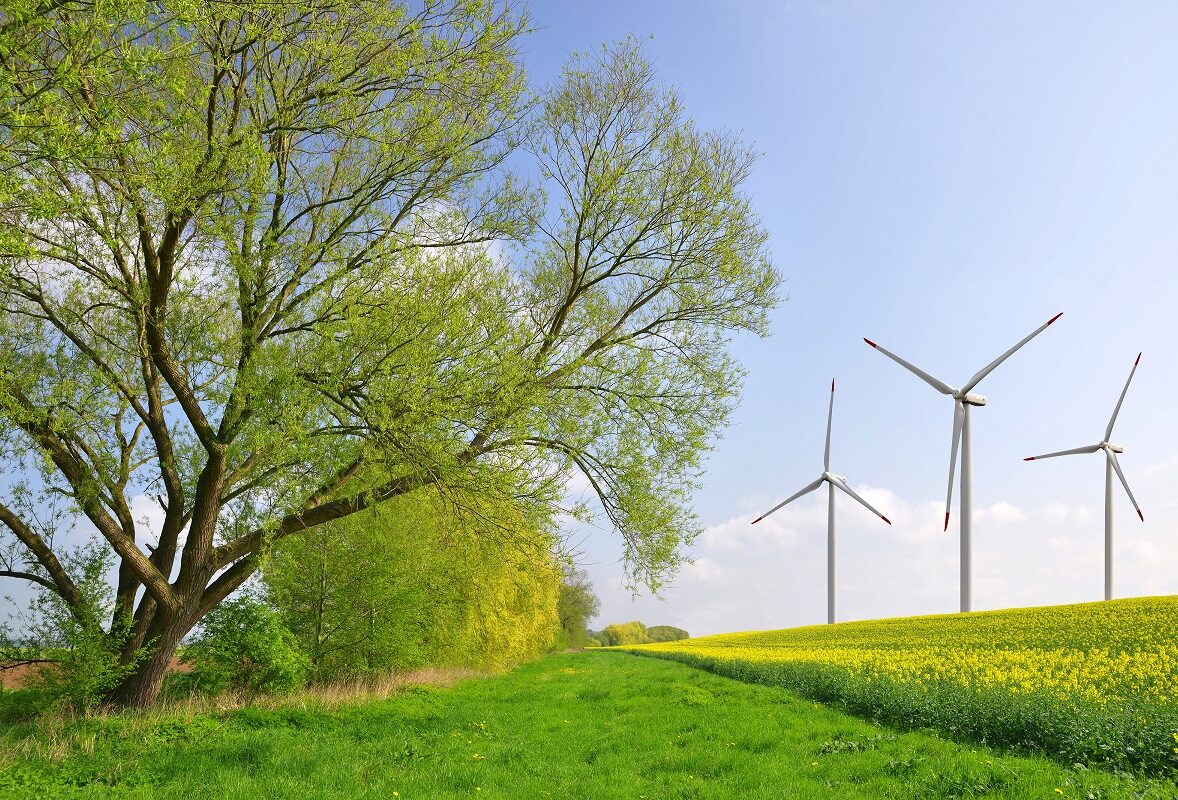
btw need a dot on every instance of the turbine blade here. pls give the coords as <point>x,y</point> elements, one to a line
<point>1112,457</point>
<point>940,386</point>
<point>1072,452</point>
<point>958,422</point>
<point>809,488</point>
<point>976,379</point>
<point>829,417</point>
<point>1112,421</point>
<point>843,485</point>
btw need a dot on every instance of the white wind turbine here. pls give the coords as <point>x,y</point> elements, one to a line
<point>1110,464</point>
<point>962,400</point>
<point>832,481</point>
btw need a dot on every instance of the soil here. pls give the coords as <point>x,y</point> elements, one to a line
<point>18,676</point>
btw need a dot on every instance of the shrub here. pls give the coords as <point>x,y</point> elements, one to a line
<point>84,654</point>
<point>243,646</point>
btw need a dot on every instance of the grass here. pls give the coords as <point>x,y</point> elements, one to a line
<point>591,725</point>
<point>1095,683</point>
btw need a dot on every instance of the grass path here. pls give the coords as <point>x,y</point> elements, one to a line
<point>592,725</point>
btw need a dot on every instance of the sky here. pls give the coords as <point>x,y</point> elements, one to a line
<point>941,178</point>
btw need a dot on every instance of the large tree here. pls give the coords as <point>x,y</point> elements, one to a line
<point>576,604</point>
<point>244,272</point>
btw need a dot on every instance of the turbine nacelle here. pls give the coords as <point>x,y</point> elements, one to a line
<point>971,398</point>
<point>830,476</point>
<point>1112,448</point>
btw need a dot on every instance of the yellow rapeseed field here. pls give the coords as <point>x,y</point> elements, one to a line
<point>1106,653</point>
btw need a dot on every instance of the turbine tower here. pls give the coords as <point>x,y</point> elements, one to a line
<point>1110,464</point>
<point>831,481</point>
<point>963,399</point>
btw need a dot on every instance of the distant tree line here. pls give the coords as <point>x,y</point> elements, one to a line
<point>636,633</point>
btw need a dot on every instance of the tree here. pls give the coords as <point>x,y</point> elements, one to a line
<point>666,633</point>
<point>624,633</point>
<point>242,273</point>
<point>407,584</point>
<point>577,604</point>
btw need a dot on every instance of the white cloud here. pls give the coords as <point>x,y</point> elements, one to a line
<point>1167,466</point>
<point>1001,512</point>
<point>704,570</point>
<point>773,574</point>
<point>1054,513</point>
<point>776,532</point>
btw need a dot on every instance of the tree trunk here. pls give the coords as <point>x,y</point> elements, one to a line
<point>141,688</point>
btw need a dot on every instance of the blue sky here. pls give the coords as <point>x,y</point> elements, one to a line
<point>941,178</point>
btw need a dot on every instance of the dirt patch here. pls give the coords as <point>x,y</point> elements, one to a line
<point>19,675</point>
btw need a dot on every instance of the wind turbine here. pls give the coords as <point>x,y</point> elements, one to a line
<point>831,480</point>
<point>963,399</point>
<point>1110,464</point>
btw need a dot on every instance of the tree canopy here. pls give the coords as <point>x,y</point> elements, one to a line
<point>244,272</point>
<point>576,605</point>
<point>408,584</point>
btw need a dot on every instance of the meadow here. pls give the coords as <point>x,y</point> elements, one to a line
<point>589,725</point>
<point>1094,683</point>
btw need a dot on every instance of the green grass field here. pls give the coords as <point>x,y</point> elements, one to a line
<point>1095,683</point>
<point>590,725</point>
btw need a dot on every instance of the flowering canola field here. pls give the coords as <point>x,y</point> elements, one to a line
<point>1095,682</point>
<point>1125,650</point>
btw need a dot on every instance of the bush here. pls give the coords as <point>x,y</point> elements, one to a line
<point>85,654</point>
<point>243,646</point>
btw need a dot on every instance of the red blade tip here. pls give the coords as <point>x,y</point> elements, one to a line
<point>1138,361</point>
<point>1141,515</point>
<point>755,521</point>
<point>946,520</point>
<point>1029,458</point>
<point>873,344</point>
<point>832,385</point>
<point>1053,319</point>
<point>885,519</point>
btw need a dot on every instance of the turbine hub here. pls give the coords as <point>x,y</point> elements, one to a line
<point>970,397</point>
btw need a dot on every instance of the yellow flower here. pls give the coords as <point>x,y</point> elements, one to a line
<point>1125,651</point>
